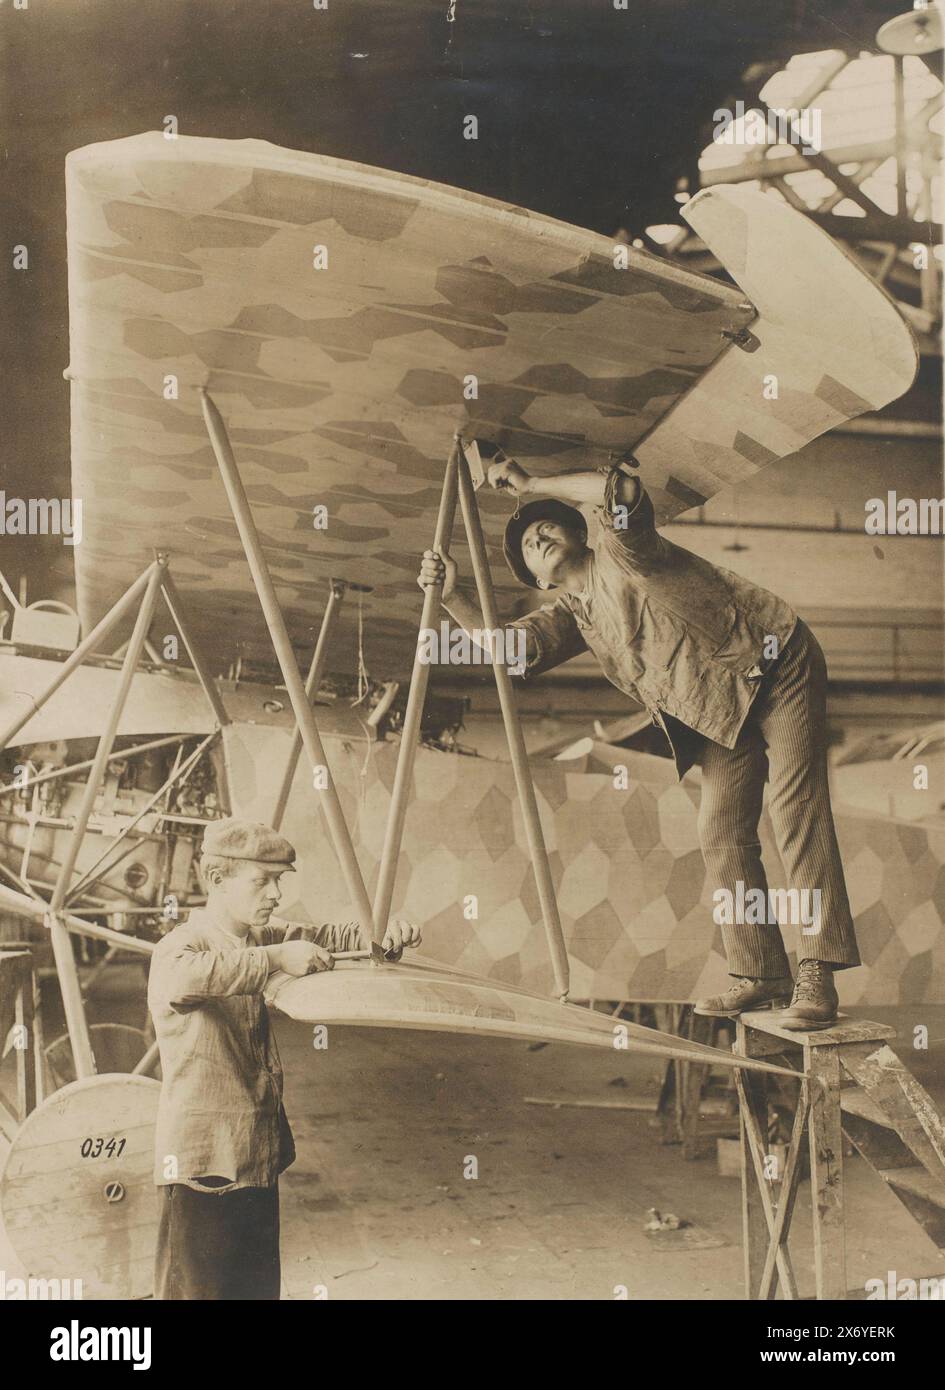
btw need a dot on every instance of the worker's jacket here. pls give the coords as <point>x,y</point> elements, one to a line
<point>220,1113</point>
<point>682,636</point>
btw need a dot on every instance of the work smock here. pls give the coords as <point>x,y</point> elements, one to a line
<point>685,638</point>
<point>220,1113</point>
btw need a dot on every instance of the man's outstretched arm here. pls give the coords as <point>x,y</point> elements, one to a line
<point>581,487</point>
<point>551,634</point>
<point>625,523</point>
<point>186,972</point>
<point>338,937</point>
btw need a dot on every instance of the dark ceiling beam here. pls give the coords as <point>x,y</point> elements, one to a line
<point>865,171</point>
<point>761,168</point>
<point>901,231</point>
<point>840,181</point>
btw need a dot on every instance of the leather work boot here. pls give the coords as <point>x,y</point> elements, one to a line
<point>814,1003</point>
<point>744,994</point>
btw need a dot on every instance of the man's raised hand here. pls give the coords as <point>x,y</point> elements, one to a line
<point>438,569</point>
<point>400,934</point>
<point>505,475</point>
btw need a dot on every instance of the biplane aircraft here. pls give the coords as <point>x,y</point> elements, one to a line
<point>277,361</point>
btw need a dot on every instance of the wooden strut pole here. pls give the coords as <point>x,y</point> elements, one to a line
<point>304,714</point>
<point>87,645</point>
<point>514,735</point>
<point>312,682</point>
<point>175,608</point>
<point>76,1021</point>
<point>899,108</point>
<point>419,679</point>
<point>147,1061</point>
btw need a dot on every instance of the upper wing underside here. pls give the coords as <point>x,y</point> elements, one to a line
<point>192,262</point>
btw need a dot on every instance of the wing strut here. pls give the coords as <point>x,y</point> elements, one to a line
<point>513,733</point>
<point>312,681</point>
<point>457,484</point>
<point>458,479</point>
<point>328,799</point>
<point>419,677</point>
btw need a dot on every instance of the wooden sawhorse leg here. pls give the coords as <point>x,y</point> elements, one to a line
<point>766,1225</point>
<point>818,1111</point>
<point>823,1057</point>
<point>822,1065</point>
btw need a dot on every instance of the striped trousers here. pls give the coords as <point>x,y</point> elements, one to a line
<point>783,741</point>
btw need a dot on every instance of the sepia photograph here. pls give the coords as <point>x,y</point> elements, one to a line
<point>472,665</point>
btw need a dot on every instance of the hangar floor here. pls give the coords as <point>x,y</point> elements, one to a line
<point>377,1206</point>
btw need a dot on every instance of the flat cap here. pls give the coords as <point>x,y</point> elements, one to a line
<point>246,839</point>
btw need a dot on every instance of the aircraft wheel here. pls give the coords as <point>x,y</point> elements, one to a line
<point>77,1193</point>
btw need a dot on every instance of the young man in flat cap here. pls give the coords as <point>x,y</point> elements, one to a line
<point>730,674</point>
<point>222,1134</point>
